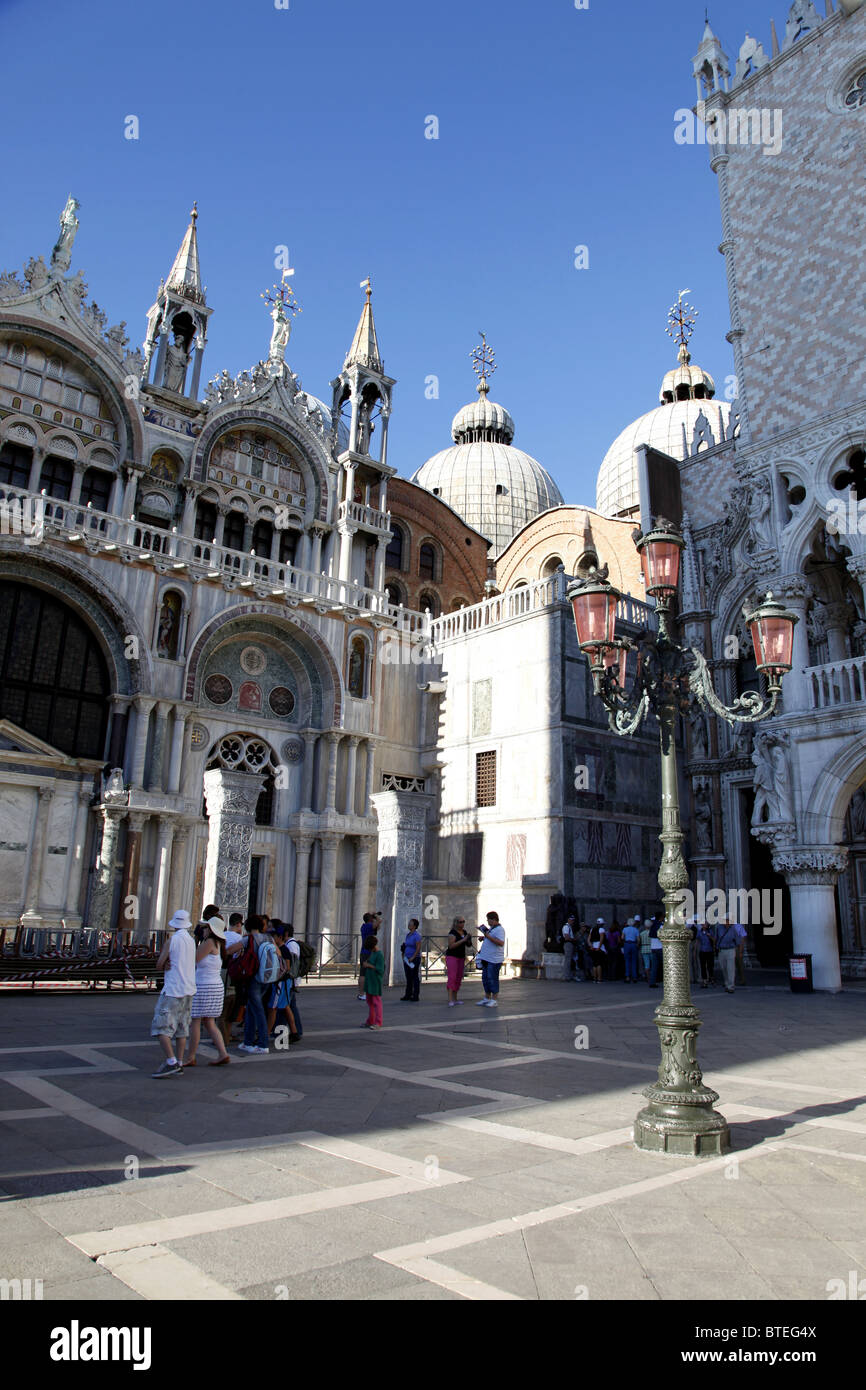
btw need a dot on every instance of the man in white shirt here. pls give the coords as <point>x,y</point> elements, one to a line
<point>568,949</point>
<point>171,1017</point>
<point>491,955</point>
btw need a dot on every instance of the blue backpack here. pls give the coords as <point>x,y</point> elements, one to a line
<point>269,964</point>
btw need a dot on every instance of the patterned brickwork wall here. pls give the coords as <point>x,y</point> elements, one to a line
<point>798,219</point>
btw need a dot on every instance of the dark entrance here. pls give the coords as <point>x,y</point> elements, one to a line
<point>255,880</point>
<point>772,951</point>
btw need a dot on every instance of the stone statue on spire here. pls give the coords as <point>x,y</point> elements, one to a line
<point>61,256</point>
<point>283,304</point>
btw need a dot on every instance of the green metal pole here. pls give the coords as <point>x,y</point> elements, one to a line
<point>679,1118</point>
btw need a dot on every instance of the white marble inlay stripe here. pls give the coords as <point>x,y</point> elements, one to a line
<point>157,1274</point>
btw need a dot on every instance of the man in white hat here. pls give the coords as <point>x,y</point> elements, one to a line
<point>172,1014</point>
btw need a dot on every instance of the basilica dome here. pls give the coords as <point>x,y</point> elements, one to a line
<point>686,420</point>
<point>495,487</point>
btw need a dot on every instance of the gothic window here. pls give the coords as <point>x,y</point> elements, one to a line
<point>357,681</point>
<point>56,478</point>
<point>427,561</point>
<point>205,521</point>
<point>288,546</point>
<point>550,566</point>
<point>856,94</point>
<point>394,553</point>
<point>394,594</point>
<point>15,464</point>
<point>233,535</point>
<point>53,677</point>
<point>853,475</point>
<point>96,489</point>
<point>588,561</point>
<point>485,779</point>
<point>428,602</point>
<point>263,533</point>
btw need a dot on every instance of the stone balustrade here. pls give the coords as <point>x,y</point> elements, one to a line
<point>136,540</point>
<point>528,598</point>
<point>837,683</point>
<point>358,514</point>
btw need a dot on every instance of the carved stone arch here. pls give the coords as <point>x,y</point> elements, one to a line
<point>333,689</point>
<point>827,801</point>
<point>96,361</point>
<point>21,429</point>
<point>112,621</point>
<point>833,458</point>
<point>59,441</point>
<point>313,456</point>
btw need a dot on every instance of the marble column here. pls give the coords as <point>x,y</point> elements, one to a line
<point>379,567</point>
<point>310,740</point>
<point>315,564</point>
<point>836,617</point>
<point>368,776</point>
<point>129,492</point>
<point>811,873</point>
<point>154,781</point>
<point>402,820</point>
<point>231,806</point>
<point>118,733</point>
<point>130,911</point>
<point>162,909</point>
<point>31,916</point>
<point>361,894</point>
<point>346,534</point>
<point>333,739</point>
<point>179,849</point>
<point>303,845</point>
<point>143,705</point>
<point>795,687</point>
<point>102,897</point>
<point>328,896</point>
<point>79,842</point>
<point>115,504</point>
<point>36,470</point>
<point>351,769</point>
<point>77,480</point>
<point>219,530</point>
<point>190,494</point>
<point>182,715</point>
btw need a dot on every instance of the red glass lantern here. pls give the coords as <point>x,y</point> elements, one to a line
<point>772,631</point>
<point>660,551</point>
<point>593,603</point>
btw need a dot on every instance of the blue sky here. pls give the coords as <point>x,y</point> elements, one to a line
<point>306,127</point>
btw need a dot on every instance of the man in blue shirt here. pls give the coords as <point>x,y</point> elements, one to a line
<point>630,945</point>
<point>412,962</point>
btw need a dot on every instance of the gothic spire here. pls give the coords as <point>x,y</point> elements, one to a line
<point>364,351</point>
<point>185,277</point>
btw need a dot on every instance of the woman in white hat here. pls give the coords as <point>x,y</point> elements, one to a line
<point>207,1006</point>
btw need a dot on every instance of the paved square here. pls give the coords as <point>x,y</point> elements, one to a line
<point>459,1153</point>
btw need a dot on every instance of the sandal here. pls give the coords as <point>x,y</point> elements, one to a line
<point>190,1063</point>
<point>221,1062</point>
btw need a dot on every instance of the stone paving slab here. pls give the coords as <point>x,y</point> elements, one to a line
<point>438,1157</point>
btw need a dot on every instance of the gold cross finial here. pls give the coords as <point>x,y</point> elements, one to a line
<point>681,320</point>
<point>283,294</point>
<point>483,363</point>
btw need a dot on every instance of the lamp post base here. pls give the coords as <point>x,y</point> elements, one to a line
<point>681,1122</point>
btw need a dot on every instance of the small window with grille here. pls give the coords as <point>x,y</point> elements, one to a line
<point>485,779</point>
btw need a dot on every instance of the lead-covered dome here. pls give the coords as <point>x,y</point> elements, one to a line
<point>495,487</point>
<point>687,420</point>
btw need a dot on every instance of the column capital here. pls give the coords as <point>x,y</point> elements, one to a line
<point>303,842</point>
<point>353,739</point>
<point>330,839</point>
<point>136,821</point>
<point>811,864</point>
<point>122,701</point>
<point>334,735</point>
<point>45,793</point>
<point>144,703</point>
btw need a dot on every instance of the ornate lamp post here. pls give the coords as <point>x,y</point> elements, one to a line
<point>680,1117</point>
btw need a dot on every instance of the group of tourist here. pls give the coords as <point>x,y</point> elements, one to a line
<point>634,952</point>
<point>221,976</point>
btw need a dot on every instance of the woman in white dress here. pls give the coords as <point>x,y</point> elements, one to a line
<point>207,1006</point>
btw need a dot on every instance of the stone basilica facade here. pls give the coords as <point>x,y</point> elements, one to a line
<point>241,660</point>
